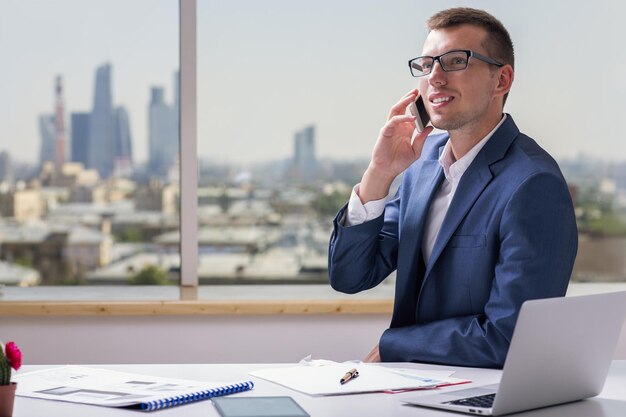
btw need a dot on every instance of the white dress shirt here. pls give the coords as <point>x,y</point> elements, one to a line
<point>453,170</point>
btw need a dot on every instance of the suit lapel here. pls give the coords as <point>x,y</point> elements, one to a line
<point>472,184</point>
<point>426,184</point>
<point>410,257</point>
<point>469,189</point>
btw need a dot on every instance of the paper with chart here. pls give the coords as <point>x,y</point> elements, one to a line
<point>103,387</point>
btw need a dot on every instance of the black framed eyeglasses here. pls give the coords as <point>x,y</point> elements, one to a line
<point>456,60</point>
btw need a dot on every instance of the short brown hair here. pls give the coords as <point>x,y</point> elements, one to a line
<point>497,43</point>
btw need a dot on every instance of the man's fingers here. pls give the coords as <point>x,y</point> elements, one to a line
<point>401,118</point>
<point>413,92</point>
<point>390,127</point>
<point>418,141</point>
<point>400,106</point>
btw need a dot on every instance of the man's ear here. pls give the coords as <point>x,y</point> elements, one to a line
<point>505,80</point>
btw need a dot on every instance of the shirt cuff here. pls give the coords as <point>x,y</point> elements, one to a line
<point>359,213</point>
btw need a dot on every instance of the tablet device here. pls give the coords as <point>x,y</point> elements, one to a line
<point>258,407</point>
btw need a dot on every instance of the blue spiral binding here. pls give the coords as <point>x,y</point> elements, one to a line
<point>196,396</point>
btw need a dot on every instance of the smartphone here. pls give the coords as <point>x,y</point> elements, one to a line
<point>418,109</point>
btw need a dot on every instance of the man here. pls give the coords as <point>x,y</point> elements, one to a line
<point>482,220</point>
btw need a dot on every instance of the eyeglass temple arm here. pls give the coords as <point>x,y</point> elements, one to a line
<point>486,59</point>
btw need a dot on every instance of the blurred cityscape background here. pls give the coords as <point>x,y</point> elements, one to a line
<point>87,213</point>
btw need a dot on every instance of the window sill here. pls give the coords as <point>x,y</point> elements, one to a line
<point>216,300</point>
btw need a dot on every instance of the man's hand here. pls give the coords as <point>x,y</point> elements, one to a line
<point>394,151</point>
<point>373,356</point>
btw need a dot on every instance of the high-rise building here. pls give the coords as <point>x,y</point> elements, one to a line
<point>101,146</point>
<point>6,168</point>
<point>48,139</point>
<point>176,91</point>
<point>123,149</point>
<point>80,138</point>
<point>163,134</point>
<point>52,130</point>
<point>59,124</point>
<point>304,160</point>
<point>176,108</point>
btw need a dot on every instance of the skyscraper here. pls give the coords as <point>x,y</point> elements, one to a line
<point>6,168</point>
<point>59,124</point>
<point>176,108</point>
<point>123,149</point>
<point>48,138</point>
<point>101,146</point>
<point>80,138</point>
<point>304,160</point>
<point>163,134</point>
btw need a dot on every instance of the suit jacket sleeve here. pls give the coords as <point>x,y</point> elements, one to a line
<point>361,256</point>
<point>538,241</point>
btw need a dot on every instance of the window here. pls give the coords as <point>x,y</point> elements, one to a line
<point>89,151</point>
<point>290,98</point>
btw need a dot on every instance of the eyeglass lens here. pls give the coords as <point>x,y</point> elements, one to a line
<point>451,61</point>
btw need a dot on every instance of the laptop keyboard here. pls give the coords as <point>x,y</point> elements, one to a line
<point>481,401</point>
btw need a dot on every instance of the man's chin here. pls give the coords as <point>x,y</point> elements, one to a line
<point>441,124</point>
<point>447,123</point>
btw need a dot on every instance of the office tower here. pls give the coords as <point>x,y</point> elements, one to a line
<point>6,168</point>
<point>305,162</point>
<point>59,124</point>
<point>80,138</point>
<point>123,151</point>
<point>48,138</point>
<point>101,146</point>
<point>163,134</point>
<point>176,90</point>
<point>176,107</point>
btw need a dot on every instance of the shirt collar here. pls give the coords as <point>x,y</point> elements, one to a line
<point>453,169</point>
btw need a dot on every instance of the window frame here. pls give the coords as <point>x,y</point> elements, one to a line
<point>188,128</point>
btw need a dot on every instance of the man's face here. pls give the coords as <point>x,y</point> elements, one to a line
<point>459,99</point>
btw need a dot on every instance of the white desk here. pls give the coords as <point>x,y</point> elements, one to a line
<point>610,403</point>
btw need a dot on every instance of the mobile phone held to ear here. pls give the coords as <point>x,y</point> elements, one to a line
<point>418,110</point>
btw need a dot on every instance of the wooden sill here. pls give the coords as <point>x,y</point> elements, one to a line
<point>195,307</point>
<point>204,300</point>
<point>225,300</point>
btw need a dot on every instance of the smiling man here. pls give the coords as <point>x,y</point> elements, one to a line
<point>482,220</point>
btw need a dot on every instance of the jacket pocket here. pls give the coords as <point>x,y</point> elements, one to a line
<point>467,241</point>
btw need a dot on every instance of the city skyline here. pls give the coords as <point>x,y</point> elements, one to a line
<point>264,71</point>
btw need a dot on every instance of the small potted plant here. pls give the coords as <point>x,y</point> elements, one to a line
<point>10,357</point>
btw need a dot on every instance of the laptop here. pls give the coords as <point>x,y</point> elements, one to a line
<point>561,351</point>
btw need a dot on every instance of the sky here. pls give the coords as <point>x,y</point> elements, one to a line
<point>267,69</point>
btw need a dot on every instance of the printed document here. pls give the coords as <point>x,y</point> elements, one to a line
<point>104,387</point>
<point>324,378</point>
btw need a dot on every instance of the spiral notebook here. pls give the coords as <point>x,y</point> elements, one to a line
<point>108,388</point>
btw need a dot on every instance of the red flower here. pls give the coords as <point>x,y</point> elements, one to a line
<point>14,355</point>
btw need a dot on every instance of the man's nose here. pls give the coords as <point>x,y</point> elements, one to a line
<point>437,75</point>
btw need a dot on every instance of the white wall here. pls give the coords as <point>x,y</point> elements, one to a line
<point>193,339</point>
<point>198,339</point>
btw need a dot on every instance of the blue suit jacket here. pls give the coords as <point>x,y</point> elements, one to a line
<point>509,235</point>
